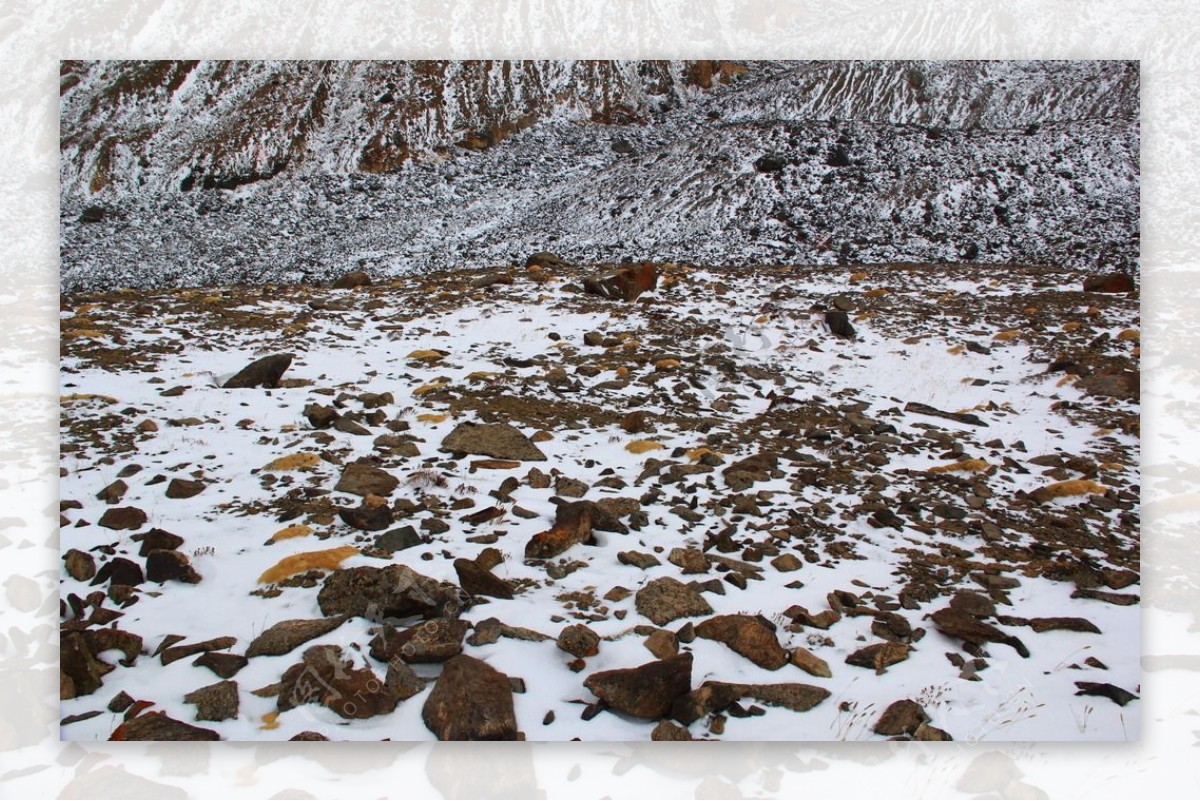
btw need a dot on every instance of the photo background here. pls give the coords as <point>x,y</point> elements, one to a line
<point>35,35</point>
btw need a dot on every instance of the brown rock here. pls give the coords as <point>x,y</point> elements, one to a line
<point>120,570</point>
<point>352,280</point>
<point>748,635</point>
<point>545,258</point>
<point>401,681</point>
<point>324,676</point>
<point>666,732</point>
<point>163,565</point>
<point>156,539</point>
<point>1112,283</point>
<point>929,733</point>
<point>368,516</point>
<point>471,701</point>
<point>113,493</point>
<point>956,623</point>
<point>365,479</point>
<point>381,592</point>
<point>224,665</point>
<point>184,488</point>
<point>572,525</point>
<point>647,691</point>
<point>122,518</point>
<point>286,635</point>
<point>264,372</point>
<point>498,440</point>
<point>879,656</point>
<point>570,487</point>
<point>973,603</point>
<point>477,580</point>
<point>624,284</point>
<point>786,563</point>
<point>901,717</point>
<point>579,641</point>
<point>308,737</point>
<point>666,599</point>
<point>157,726</point>
<point>638,559</point>
<point>434,640</point>
<point>79,565</point>
<point>80,673</point>
<point>662,643</point>
<point>215,702</point>
<point>810,663</point>
<point>634,422</point>
<point>177,652</point>
<point>1125,384</point>
<point>1040,624</point>
<point>689,560</point>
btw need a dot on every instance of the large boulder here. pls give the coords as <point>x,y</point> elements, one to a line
<point>325,677</point>
<point>471,701</point>
<point>264,372</point>
<point>647,691</point>
<point>395,591</point>
<point>498,440</point>
<point>749,635</point>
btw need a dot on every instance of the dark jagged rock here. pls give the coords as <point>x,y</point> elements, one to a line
<point>158,726</point>
<point>879,657</point>
<point>163,565</point>
<point>958,624</point>
<point>434,640</point>
<point>80,672</point>
<point>324,676</point>
<point>395,591</point>
<point>224,665</point>
<point>647,691</point>
<point>120,570</point>
<point>666,599</point>
<point>288,634</point>
<point>498,440</point>
<point>181,488</point>
<point>476,580</point>
<point>839,324</point>
<point>215,702</point>
<point>156,539</point>
<point>265,372</point>
<point>958,417</point>
<point>398,539</point>
<point>471,701</point>
<point>1117,695</point>
<point>373,514</point>
<point>901,717</point>
<point>748,635</point>
<point>1112,283</point>
<point>176,652</point>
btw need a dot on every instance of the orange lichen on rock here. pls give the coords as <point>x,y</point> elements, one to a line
<point>644,445</point>
<point>303,562</point>
<point>295,461</point>
<point>969,465</point>
<point>296,530</point>
<point>1067,489</point>
<point>1007,336</point>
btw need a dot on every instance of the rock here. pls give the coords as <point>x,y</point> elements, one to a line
<point>645,561</point>
<point>570,487</point>
<point>92,214</point>
<point>647,691</point>
<point>373,514</point>
<point>573,524</point>
<point>956,623</point>
<point>891,626</point>
<point>395,591</point>
<point>901,717</point>
<point>689,560</point>
<point>352,280</point>
<point>120,570</point>
<point>319,416</point>
<point>810,663</point>
<point>177,652</point>
<point>398,539</point>
<point>434,640</point>
<point>928,733</point>
<point>224,665</point>
<point>634,422</point>
<point>666,732</point>
<point>122,518</point>
<point>309,737</point>
<point>471,701</point>
<point>1115,598</point>
<point>120,702</point>
<point>748,635</point>
<point>794,696</point>
<point>770,162</point>
<point>79,565</point>
<point>786,563</point>
<point>666,599</point>
<point>286,635</point>
<point>1117,695</point>
<point>264,372</point>
<point>215,702</point>
<point>157,726</point>
<point>113,493</point>
<point>498,440</point>
<point>180,488</point>
<point>365,479</point>
<point>972,603</point>
<point>80,673</point>
<point>1125,385</point>
<point>879,656</point>
<point>709,698</point>
<point>1040,624</point>
<point>839,324</point>
<point>401,681</point>
<point>157,539</point>
<point>1112,283</point>
<point>579,641</point>
<point>545,258</point>
<point>478,580</point>
<point>958,417</point>
<point>163,565</point>
<point>625,284</point>
<point>324,676</point>
<point>662,643</point>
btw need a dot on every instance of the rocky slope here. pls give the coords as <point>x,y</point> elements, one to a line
<point>749,503</point>
<point>217,172</point>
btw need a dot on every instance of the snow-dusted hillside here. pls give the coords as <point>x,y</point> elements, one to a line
<point>410,167</point>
